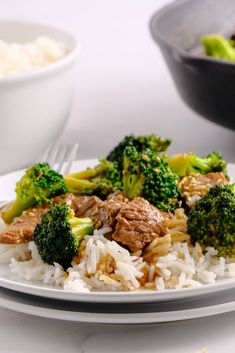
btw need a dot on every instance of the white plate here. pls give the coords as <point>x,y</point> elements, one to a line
<point>63,311</point>
<point>7,280</point>
<point>7,183</point>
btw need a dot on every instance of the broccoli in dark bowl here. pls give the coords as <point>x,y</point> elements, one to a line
<point>59,234</point>
<point>212,221</point>
<point>219,47</point>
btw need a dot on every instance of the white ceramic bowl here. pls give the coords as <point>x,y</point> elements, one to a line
<point>34,106</point>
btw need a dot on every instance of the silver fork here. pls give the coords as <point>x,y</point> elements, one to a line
<point>61,157</point>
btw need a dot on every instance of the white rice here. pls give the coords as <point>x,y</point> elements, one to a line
<point>19,252</point>
<point>191,268</point>
<point>16,58</point>
<point>106,266</point>
<point>37,270</point>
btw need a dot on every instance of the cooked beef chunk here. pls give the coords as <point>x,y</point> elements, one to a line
<point>68,198</point>
<point>88,206</point>
<point>117,197</point>
<point>111,208</point>
<point>138,223</point>
<point>102,213</point>
<point>135,222</point>
<point>195,185</point>
<point>22,228</point>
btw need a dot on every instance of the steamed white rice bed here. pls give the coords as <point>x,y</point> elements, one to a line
<point>83,276</point>
<point>182,267</point>
<point>18,252</point>
<point>191,267</point>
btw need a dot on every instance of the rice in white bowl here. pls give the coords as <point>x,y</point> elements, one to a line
<point>16,58</point>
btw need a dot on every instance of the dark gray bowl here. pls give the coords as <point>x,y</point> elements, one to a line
<point>207,85</point>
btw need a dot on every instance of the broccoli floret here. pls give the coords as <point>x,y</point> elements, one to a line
<point>153,142</point>
<point>219,47</point>
<point>106,177</point>
<point>59,234</point>
<point>148,175</point>
<point>212,221</point>
<point>186,163</point>
<point>101,180</point>
<point>38,184</point>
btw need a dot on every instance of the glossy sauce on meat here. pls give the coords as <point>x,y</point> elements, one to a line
<point>138,223</point>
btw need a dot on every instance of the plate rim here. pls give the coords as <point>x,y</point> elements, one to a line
<point>23,306</point>
<point>142,296</point>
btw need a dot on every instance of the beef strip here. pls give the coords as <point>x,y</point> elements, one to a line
<point>88,206</point>
<point>195,185</point>
<point>135,222</point>
<point>102,213</point>
<point>22,228</point>
<point>71,199</point>
<point>138,223</point>
<point>117,196</point>
<point>111,208</point>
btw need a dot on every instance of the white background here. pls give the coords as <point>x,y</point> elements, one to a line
<point>122,86</point>
<point>122,83</point>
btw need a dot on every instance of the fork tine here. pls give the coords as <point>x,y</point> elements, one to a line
<point>71,157</point>
<point>62,157</point>
<point>53,155</point>
<point>46,154</point>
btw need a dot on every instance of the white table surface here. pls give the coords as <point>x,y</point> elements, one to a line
<point>122,86</point>
<point>24,333</point>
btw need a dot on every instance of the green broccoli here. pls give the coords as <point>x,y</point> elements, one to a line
<point>153,142</point>
<point>101,180</point>
<point>148,175</point>
<point>212,221</point>
<point>186,163</point>
<point>59,234</point>
<point>106,177</point>
<point>219,47</point>
<point>38,184</point>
